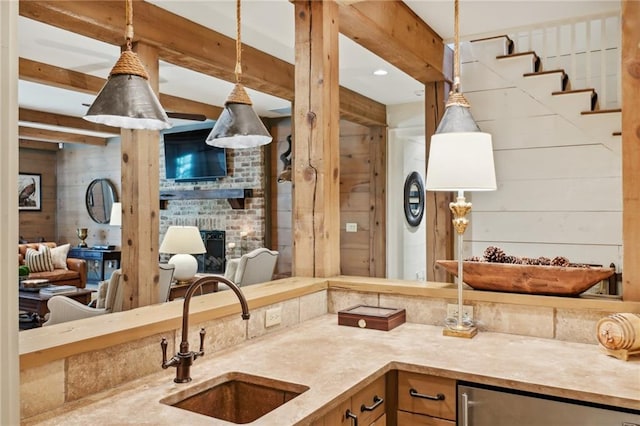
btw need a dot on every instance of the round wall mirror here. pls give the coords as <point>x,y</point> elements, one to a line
<point>100,196</point>
<point>414,199</point>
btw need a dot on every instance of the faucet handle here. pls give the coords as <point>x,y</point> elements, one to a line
<point>202,333</point>
<point>163,345</point>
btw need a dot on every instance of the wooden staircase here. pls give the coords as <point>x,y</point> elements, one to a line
<point>550,87</point>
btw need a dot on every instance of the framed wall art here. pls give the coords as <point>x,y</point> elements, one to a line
<point>29,192</point>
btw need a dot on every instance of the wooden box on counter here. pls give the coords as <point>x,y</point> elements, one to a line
<point>373,317</point>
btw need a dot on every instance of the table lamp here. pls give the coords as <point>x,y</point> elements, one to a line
<point>183,242</point>
<point>116,215</point>
<point>460,159</point>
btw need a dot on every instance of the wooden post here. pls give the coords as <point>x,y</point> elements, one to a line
<point>378,197</point>
<point>140,201</point>
<point>316,191</point>
<point>631,149</point>
<point>438,216</point>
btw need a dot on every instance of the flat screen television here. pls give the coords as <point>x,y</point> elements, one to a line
<point>188,158</point>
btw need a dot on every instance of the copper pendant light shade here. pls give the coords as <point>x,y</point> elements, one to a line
<point>127,100</point>
<point>238,126</point>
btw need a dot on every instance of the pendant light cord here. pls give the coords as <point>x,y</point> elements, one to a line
<point>238,70</point>
<point>456,52</point>
<point>128,35</point>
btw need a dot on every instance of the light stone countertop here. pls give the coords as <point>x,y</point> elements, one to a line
<point>332,359</point>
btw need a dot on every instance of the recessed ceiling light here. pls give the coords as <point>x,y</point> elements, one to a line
<point>380,72</point>
<point>419,92</point>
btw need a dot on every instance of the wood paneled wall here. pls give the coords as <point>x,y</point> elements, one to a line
<point>362,199</point>
<point>34,225</point>
<point>355,202</point>
<point>281,202</point>
<point>78,165</point>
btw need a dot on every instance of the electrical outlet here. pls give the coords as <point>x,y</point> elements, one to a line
<point>352,227</point>
<point>273,316</point>
<point>452,311</point>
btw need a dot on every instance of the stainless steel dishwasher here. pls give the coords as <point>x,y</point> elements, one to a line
<point>480,405</point>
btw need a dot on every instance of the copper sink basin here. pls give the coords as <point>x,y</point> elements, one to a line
<point>235,397</point>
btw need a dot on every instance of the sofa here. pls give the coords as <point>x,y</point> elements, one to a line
<point>66,271</point>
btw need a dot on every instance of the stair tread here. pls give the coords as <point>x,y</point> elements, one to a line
<point>531,74</point>
<point>602,111</point>
<point>569,92</point>
<point>491,38</point>
<point>513,55</point>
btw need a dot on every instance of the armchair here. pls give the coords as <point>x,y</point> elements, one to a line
<point>63,309</point>
<point>254,267</point>
<point>164,285</point>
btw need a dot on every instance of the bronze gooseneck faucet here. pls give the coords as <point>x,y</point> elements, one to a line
<point>184,358</point>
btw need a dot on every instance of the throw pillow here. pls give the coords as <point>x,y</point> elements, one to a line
<point>59,256</point>
<point>39,260</point>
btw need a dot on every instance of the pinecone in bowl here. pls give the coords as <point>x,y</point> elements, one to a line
<point>560,261</point>
<point>494,254</point>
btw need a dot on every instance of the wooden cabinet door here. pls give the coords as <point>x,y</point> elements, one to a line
<point>368,404</point>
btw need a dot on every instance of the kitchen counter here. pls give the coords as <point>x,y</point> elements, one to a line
<point>334,360</point>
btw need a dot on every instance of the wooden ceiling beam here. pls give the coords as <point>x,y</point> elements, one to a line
<point>51,75</point>
<point>56,136</point>
<point>187,45</point>
<point>175,104</point>
<point>33,116</point>
<point>359,109</point>
<point>39,145</point>
<point>391,30</point>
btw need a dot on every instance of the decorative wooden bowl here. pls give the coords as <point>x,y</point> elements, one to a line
<point>531,279</point>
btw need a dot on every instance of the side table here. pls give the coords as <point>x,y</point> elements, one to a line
<point>100,263</point>
<point>36,303</point>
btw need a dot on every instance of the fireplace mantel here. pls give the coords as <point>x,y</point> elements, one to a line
<point>235,197</point>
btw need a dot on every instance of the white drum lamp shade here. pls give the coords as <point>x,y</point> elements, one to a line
<point>183,242</point>
<point>116,215</point>
<point>461,161</point>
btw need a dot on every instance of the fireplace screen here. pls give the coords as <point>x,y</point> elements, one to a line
<point>213,261</point>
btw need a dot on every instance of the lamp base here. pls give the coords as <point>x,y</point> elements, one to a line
<point>467,333</point>
<point>186,267</point>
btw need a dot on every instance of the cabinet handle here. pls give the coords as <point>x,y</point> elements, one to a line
<point>438,397</point>
<point>349,414</point>
<point>376,403</point>
<point>465,409</point>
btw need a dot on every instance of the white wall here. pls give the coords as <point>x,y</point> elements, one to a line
<point>406,245</point>
<point>559,181</point>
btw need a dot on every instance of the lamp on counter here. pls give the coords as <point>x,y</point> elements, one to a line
<point>238,126</point>
<point>460,159</point>
<point>127,100</point>
<point>116,215</point>
<point>183,242</point>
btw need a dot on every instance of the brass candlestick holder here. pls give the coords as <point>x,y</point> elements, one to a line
<point>82,233</point>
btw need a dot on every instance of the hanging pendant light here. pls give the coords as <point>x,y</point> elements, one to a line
<point>238,126</point>
<point>457,114</point>
<point>127,100</point>
<point>460,159</point>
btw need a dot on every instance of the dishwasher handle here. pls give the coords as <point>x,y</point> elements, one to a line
<point>464,413</point>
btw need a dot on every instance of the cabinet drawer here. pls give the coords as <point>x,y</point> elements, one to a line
<point>405,418</point>
<point>369,397</point>
<point>425,385</point>
<point>85,254</point>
